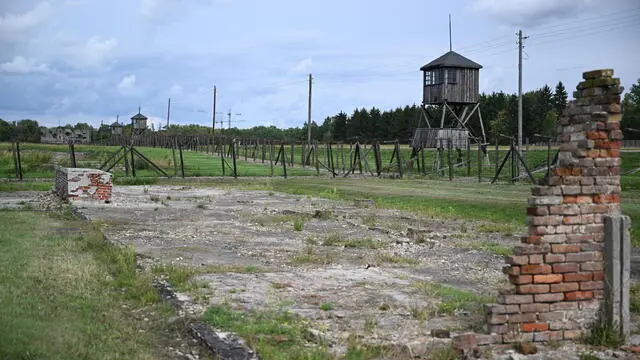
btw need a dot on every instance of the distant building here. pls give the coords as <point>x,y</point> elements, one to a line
<point>62,135</point>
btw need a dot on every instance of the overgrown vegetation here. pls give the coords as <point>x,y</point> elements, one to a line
<point>602,334</point>
<point>487,246</point>
<point>452,299</point>
<point>71,294</point>
<point>274,334</point>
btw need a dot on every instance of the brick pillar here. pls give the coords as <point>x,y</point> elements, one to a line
<point>558,270</point>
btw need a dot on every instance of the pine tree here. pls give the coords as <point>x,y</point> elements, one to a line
<point>560,98</point>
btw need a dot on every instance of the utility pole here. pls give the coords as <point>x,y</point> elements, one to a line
<point>213,127</point>
<point>168,113</point>
<point>309,112</point>
<point>520,47</point>
<point>229,114</point>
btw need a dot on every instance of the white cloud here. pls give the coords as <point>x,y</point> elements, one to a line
<point>302,67</point>
<point>127,83</point>
<point>530,12</point>
<point>14,26</point>
<point>95,52</point>
<point>22,65</point>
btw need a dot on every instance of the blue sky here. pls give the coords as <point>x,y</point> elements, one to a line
<point>70,61</point>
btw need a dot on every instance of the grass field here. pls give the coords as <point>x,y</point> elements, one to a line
<point>67,294</point>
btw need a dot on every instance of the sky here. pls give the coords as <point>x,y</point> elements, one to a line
<point>69,61</point>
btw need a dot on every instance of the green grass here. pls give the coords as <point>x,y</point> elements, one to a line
<point>273,334</point>
<point>601,334</point>
<point>298,224</point>
<point>452,299</point>
<point>63,295</point>
<point>326,307</point>
<point>14,186</point>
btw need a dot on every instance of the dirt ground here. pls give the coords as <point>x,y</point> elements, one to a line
<point>349,267</point>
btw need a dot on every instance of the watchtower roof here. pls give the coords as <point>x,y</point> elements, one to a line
<point>116,124</point>
<point>139,116</point>
<point>451,60</point>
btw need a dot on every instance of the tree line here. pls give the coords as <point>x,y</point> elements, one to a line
<point>499,110</point>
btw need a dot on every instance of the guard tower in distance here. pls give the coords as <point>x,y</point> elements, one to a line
<point>450,81</point>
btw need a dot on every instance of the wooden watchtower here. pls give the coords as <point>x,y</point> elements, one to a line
<point>450,81</point>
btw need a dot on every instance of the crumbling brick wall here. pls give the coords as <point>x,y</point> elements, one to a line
<point>558,270</point>
<point>76,184</point>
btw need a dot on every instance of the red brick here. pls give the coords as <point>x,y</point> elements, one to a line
<point>578,276</point>
<point>547,279</point>
<point>532,289</point>
<point>553,258</point>
<point>551,316</point>
<point>564,287</point>
<point>534,327</point>
<point>561,248</point>
<point>522,279</point>
<point>566,268</point>
<point>598,276</point>
<point>549,297</point>
<point>535,269</point>
<point>535,259</point>
<point>578,295</point>
<point>584,199</point>
<point>534,308</point>
<point>592,285</point>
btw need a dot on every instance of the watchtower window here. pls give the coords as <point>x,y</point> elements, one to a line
<point>452,76</point>
<point>434,77</point>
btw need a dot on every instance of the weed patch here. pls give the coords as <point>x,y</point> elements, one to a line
<point>452,299</point>
<point>273,334</point>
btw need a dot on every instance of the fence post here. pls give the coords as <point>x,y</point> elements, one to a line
<point>376,155</point>
<point>617,272</point>
<point>284,160</point>
<point>497,160</point>
<point>224,170</point>
<point>133,166</point>
<point>315,155</point>
<point>233,157</point>
<point>480,160</point>
<point>271,156</point>
<point>468,158</point>
<point>72,154</point>
<point>181,160</point>
<point>175,161</point>
<point>399,161</point>
<point>18,161</point>
<point>449,161</point>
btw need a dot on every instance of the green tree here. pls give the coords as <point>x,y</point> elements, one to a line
<point>631,113</point>
<point>28,130</point>
<point>6,131</point>
<point>560,97</point>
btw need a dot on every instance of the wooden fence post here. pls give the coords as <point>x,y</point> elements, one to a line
<point>72,154</point>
